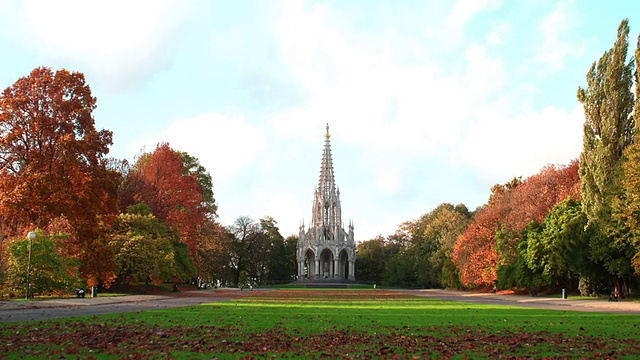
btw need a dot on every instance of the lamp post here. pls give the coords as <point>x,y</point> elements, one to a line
<point>31,236</point>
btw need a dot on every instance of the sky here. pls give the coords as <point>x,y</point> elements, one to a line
<point>428,102</point>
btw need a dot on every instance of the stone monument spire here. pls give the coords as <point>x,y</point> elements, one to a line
<point>326,203</point>
<point>326,250</point>
<point>327,181</point>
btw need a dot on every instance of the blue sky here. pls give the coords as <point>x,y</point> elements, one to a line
<point>427,101</point>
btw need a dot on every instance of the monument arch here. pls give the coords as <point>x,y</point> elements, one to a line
<point>326,251</point>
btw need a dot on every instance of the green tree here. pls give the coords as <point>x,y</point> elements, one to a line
<point>608,129</point>
<point>432,240</point>
<point>399,266</point>
<point>370,259</point>
<point>281,253</point>
<point>627,206</point>
<point>450,275</point>
<point>184,269</point>
<point>51,273</point>
<point>608,103</point>
<point>142,247</point>
<point>558,251</point>
<point>249,250</point>
<point>192,166</point>
<point>399,271</point>
<point>528,270</point>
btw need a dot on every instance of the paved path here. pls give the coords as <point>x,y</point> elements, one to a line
<point>15,311</point>
<point>592,305</point>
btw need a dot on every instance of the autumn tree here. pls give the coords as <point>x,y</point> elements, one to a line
<point>608,129</point>
<point>531,200</point>
<point>492,240</point>
<point>213,254</point>
<point>174,191</point>
<point>475,251</point>
<point>52,163</point>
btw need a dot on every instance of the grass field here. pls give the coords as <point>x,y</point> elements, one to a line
<point>363,324</point>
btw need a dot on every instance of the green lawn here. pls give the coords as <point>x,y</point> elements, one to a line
<point>298,323</point>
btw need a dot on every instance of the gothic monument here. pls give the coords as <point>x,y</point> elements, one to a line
<point>326,251</point>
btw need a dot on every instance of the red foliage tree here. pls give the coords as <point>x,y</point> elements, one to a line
<point>52,162</point>
<point>172,192</point>
<point>534,198</point>
<point>493,235</point>
<point>475,251</point>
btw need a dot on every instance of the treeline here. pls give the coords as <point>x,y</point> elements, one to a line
<point>105,221</point>
<point>575,226</point>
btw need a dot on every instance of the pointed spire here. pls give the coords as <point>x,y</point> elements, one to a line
<point>326,183</point>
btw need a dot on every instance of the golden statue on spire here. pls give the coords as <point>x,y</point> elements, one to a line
<point>327,135</point>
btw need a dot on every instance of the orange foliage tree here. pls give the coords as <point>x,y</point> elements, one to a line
<point>173,192</point>
<point>475,253</point>
<point>53,166</point>
<point>491,239</point>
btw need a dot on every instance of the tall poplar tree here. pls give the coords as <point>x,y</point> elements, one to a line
<point>627,206</point>
<point>608,129</point>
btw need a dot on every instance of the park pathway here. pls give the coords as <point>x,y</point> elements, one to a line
<point>16,311</point>
<point>539,302</point>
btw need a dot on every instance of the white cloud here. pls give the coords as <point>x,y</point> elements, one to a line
<point>284,206</point>
<point>388,181</point>
<point>7,5</point>
<point>464,10</point>
<point>119,41</point>
<point>378,102</point>
<point>484,74</point>
<point>502,147</point>
<point>498,35</point>
<point>225,145</point>
<point>555,47</point>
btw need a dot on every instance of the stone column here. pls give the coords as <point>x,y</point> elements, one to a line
<point>337,274</point>
<point>316,271</point>
<point>352,270</point>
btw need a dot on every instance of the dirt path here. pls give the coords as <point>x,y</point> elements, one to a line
<point>16,311</point>
<point>628,307</point>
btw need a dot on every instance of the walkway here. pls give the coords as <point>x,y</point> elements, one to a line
<point>14,311</point>
<point>539,302</point>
